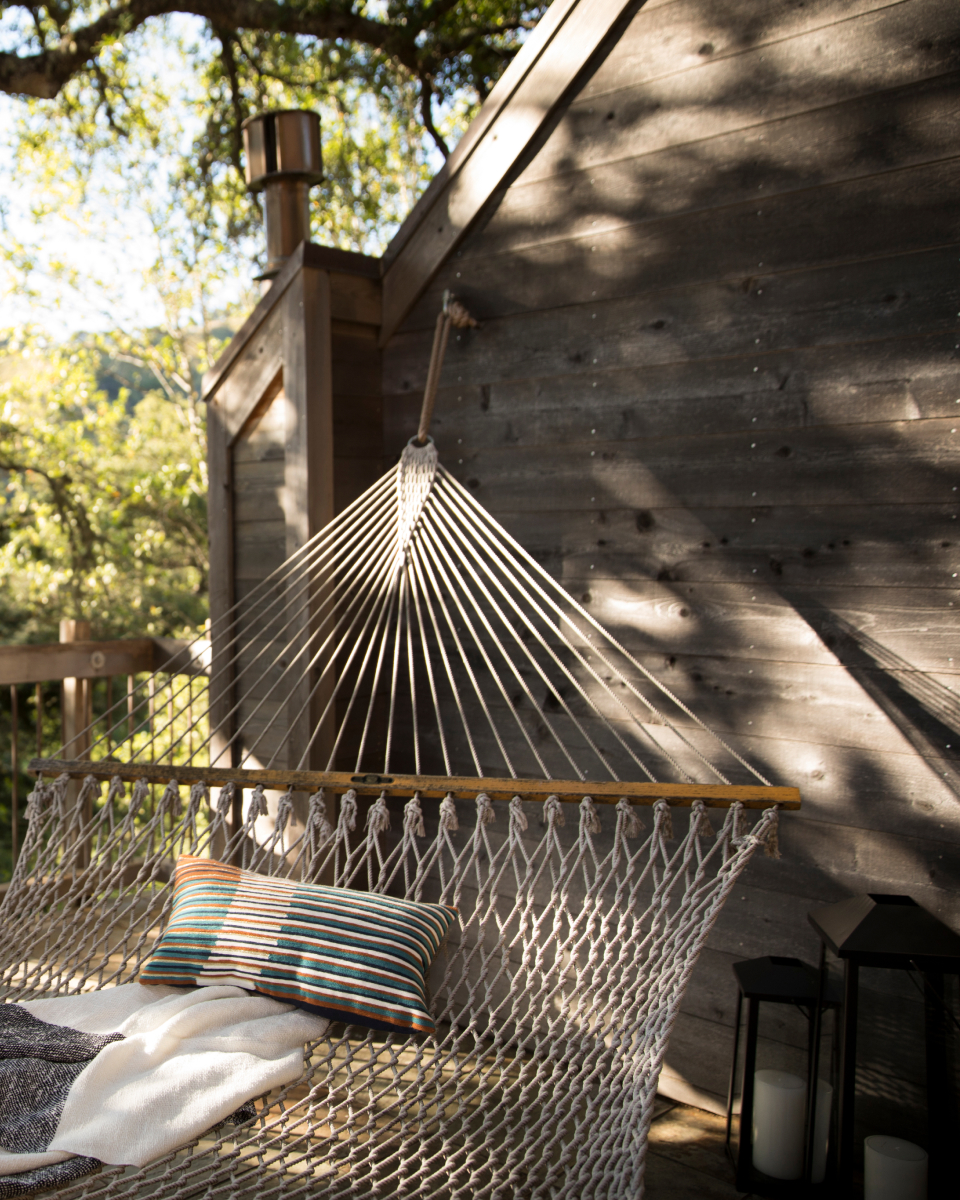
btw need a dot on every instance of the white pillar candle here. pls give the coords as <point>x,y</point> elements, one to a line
<point>893,1169</point>
<point>779,1101</point>
<point>821,1131</point>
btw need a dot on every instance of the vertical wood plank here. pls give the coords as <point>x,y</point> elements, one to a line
<point>220,525</point>
<point>74,707</point>
<point>308,477</point>
<point>14,775</point>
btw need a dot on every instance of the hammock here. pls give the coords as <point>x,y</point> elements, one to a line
<point>458,702</point>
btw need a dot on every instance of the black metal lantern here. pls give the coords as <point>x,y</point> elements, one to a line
<point>879,930</point>
<point>774,980</point>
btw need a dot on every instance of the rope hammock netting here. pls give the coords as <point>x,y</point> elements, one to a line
<point>412,652</point>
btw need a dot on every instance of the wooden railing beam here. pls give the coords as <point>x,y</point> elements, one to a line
<point>97,660</point>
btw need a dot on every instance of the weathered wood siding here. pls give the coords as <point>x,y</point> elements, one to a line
<point>715,391</point>
<point>264,513</point>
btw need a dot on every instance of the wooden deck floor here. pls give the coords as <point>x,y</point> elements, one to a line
<point>685,1157</point>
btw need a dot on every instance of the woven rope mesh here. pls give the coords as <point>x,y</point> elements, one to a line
<point>554,998</point>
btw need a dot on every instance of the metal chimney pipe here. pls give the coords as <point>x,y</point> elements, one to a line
<point>283,161</point>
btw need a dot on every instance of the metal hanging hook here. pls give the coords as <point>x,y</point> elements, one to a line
<point>452,313</point>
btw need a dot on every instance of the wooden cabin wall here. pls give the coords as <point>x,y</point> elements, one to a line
<point>267,502</point>
<point>715,392</point>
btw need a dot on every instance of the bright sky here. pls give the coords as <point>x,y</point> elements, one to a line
<point>87,265</point>
<point>115,245</point>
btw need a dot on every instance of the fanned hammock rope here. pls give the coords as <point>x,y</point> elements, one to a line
<point>411,640</point>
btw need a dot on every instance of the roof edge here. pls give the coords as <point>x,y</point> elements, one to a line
<point>307,254</point>
<point>546,28</point>
<point>570,34</point>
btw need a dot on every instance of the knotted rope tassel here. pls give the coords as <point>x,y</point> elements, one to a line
<point>663,821</point>
<point>319,829</point>
<point>413,817</point>
<point>378,815</point>
<point>589,817</point>
<point>552,812</point>
<point>448,814</point>
<point>485,810</point>
<point>632,825</point>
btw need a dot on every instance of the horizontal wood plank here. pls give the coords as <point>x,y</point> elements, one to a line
<point>779,546</point>
<point>895,45</point>
<point>910,207</point>
<point>747,623</point>
<point>687,35</point>
<point>97,660</point>
<point>558,329</point>
<point>819,466</point>
<point>75,660</point>
<point>900,128</point>
<point>900,379</point>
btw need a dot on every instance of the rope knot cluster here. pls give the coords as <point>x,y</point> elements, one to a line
<point>285,810</point>
<point>258,805</point>
<point>225,799</point>
<point>378,815</point>
<point>663,819</point>
<point>448,815</point>
<point>318,824</point>
<point>632,824</point>
<point>485,811</point>
<point>413,817</point>
<point>518,818</point>
<point>589,817</point>
<point>348,810</point>
<point>170,800</point>
<point>141,790</point>
<point>553,812</point>
<point>701,820</point>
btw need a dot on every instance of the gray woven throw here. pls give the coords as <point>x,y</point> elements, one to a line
<point>38,1064</point>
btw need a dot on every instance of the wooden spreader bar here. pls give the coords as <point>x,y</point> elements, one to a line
<point>435,787</point>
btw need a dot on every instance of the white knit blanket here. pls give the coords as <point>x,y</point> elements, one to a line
<point>188,1059</point>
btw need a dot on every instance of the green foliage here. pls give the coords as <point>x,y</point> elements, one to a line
<point>393,83</point>
<point>127,204</point>
<point>103,501</point>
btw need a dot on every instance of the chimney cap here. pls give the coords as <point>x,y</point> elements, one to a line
<point>282,144</point>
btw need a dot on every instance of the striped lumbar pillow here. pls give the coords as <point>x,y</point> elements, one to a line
<point>352,956</point>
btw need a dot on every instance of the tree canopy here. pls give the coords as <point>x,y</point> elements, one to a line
<point>126,209</point>
<point>444,46</point>
<point>102,489</point>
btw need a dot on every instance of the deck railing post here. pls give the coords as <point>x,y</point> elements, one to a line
<point>14,776</point>
<point>75,712</point>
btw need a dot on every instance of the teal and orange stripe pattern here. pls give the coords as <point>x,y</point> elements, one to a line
<point>357,957</point>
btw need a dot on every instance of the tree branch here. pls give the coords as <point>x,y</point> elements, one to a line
<point>236,97</point>
<point>426,113</point>
<point>43,74</point>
